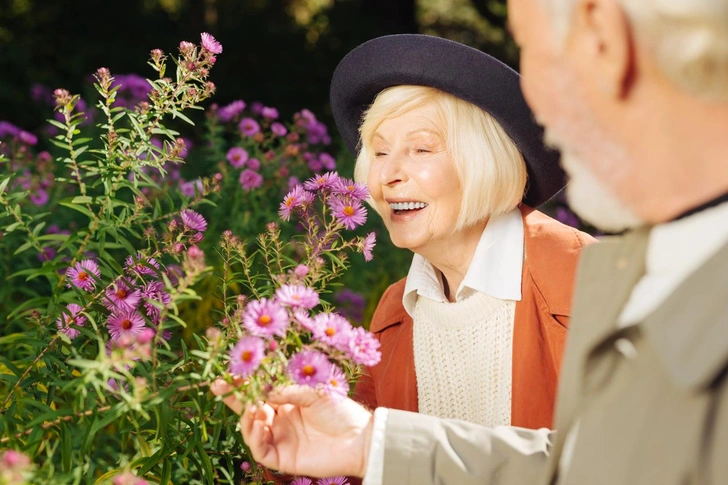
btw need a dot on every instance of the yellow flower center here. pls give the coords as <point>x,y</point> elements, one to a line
<point>349,210</point>
<point>334,382</point>
<point>126,324</point>
<point>246,356</point>
<point>289,201</point>
<point>121,293</point>
<point>330,332</point>
<point>82,275</point>
<point>264,320</point>
<point>308,370</point>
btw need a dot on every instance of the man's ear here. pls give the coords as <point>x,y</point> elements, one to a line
<point>602,36</point>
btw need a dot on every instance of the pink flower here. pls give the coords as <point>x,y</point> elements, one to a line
<point>248,126</point>
<point>302,317</point>
<point>155,292</point>
<point>237,156</point>
<point>366,246</point>
<point>83,275</point>
<point>250,179</point>
<point>226,113</point>
<point>309,367</point>
<point>253,164</point>
<point>65,321</point>
<point>246,356</point>
<point>245,466</point>
<point>301,481</point>
<point>265,318</point>
<point>346,186</point>
<point>295,198</point>
<point>127,322</point>
<point>121,296</point>
<point>363,347</point>
<point>332,481</point>
<point>327,161</point>
<point>324,181</point>
<point>336,384</point>
<point>39,197</point>
<point>301,270</point>
<point>270,113</point>
<point>278,129</point>
<point>141,265</point>
<point>193,220</point>
<point>209,43</point>
<point>297,296</point>
<point>332,329</point>
<point>350,213</point>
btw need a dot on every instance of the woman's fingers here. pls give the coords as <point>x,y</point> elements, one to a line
<point>221,388</point>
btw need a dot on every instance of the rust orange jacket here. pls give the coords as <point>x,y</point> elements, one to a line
<point>541,320</point>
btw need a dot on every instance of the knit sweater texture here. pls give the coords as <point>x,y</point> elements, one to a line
<point>463,356</point>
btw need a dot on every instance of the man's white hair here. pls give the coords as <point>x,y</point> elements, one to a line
<point>688,38</point>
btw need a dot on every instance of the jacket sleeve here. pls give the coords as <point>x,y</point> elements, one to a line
<point>423,450</point>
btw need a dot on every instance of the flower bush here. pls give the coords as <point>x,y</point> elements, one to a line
<point>109,251</point>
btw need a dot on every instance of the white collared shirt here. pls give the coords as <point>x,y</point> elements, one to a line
<point>495,270</point>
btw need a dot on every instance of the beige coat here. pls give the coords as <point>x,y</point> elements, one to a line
<point>645,405</point>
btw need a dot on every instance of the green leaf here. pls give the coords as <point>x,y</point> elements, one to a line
<point>79,208</point>
<point>66,447</point>
<point>27,245</point>
<point>177,114</point>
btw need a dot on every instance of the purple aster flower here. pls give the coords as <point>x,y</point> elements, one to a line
<point>253,164</point>
<point>350,213</point>
<point>47,254</point>
<point>297,296</point>
<point>324,181</point>
<point>83,274</point>
<point>155,291</point>
<point>356,190</point>
<point>188,189</point>
<point>315,165</point>
<point>193,220</point>
<point>332,329</point>
<point>332,481</point>
<point>245,466</point>
<point>121,296</point>
<point>270,113</point>
<point>301,316</point>
<point>237,156</point>
<point>141,265</point>
<point>65,321</point>
<point>209,43</point>
<point>265,318</point>
<point>295,198</point>
<point>256,107</point>
<point>278,129</point>
<point>248,126</point>
<point>250,179</point>
<point>309,367</point>
<point>39,197</point>
<point>8,129</point>
<point>127,322</point>
<point>301,481</point>
<point>327,161</point>
<point>367,246</point>
<point>227,113</point>
<point>363,347</point>
<point>27,138</point>
<point>246,356</point>
<point>336,384</point>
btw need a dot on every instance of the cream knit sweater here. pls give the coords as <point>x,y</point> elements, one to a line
<point>463,353</point>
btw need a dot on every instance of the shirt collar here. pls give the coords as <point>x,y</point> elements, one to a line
<point>495,270</point>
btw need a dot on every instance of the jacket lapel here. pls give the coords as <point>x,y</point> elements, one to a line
<point>607,273</point>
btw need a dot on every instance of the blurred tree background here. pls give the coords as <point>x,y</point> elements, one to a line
<point>280,52</point>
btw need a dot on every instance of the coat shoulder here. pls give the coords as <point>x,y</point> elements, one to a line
<point>552,251</point>
<point>390,310</point>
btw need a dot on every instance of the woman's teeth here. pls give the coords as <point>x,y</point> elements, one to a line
<point>403,206</point>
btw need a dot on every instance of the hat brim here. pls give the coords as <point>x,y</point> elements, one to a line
<point>464,72</point>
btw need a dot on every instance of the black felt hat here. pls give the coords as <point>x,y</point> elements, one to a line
<point>469,74</point>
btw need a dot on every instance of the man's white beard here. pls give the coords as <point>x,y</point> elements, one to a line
<point>588,197</point>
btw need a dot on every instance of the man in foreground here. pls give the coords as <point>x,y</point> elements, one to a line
<point>635,94</point>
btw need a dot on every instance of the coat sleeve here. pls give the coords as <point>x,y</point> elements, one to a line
<point>423,450</point>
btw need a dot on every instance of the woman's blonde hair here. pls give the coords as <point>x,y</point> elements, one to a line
<point>491,169</point>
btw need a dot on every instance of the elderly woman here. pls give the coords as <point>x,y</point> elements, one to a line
<point>454,164</point>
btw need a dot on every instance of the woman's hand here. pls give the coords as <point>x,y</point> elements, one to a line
<point>301,432</point>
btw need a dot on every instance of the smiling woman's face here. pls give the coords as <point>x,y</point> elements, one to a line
<point>413,181</point>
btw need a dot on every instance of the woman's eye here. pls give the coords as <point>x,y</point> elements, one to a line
<point>423,150</point>
<point>379,154</point>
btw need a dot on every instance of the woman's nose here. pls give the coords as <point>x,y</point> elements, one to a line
<point>392,170</point>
